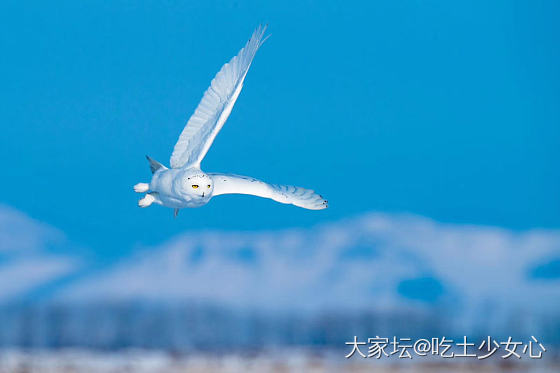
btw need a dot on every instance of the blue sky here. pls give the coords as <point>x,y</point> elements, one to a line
<point>437,108</point>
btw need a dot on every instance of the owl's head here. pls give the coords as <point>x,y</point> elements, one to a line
<point>196,184</point>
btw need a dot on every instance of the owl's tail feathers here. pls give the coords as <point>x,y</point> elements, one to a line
<point>154,165</point>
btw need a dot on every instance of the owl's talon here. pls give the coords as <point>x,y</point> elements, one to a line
<point>146,201</point>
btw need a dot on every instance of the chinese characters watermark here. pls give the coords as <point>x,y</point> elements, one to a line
<point>405,348</point>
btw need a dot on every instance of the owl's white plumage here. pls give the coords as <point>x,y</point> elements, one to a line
<point>234,184</point>
<point>185,184</point>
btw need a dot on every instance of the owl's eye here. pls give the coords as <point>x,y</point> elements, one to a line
<point>208,185</point>
<point>195,186</point>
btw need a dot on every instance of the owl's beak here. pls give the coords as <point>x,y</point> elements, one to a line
<point>202,194</point>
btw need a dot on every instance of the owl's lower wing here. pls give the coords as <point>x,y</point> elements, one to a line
<point>235,184</point>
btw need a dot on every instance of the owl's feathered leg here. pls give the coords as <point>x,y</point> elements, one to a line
<point>149,199</point>
<point>146,201</point>
<point>141,187</point>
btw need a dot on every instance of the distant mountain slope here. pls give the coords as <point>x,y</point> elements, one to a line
<point>373,262</point>
<point>28,256</point>
<point>377,260</point>
<point>397,272</point>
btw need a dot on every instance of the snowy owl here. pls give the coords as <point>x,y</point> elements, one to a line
<point>185,184</point>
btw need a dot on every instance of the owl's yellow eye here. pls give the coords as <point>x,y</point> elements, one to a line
<point>195,186</point>
<point>208,185</point>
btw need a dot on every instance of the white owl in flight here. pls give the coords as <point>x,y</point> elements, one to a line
<point>185,184</point>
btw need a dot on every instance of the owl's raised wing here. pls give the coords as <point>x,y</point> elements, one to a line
<point>235,184</point>
<point>215,106</point>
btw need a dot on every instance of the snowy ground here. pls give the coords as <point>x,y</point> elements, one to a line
<point>137,361</point>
